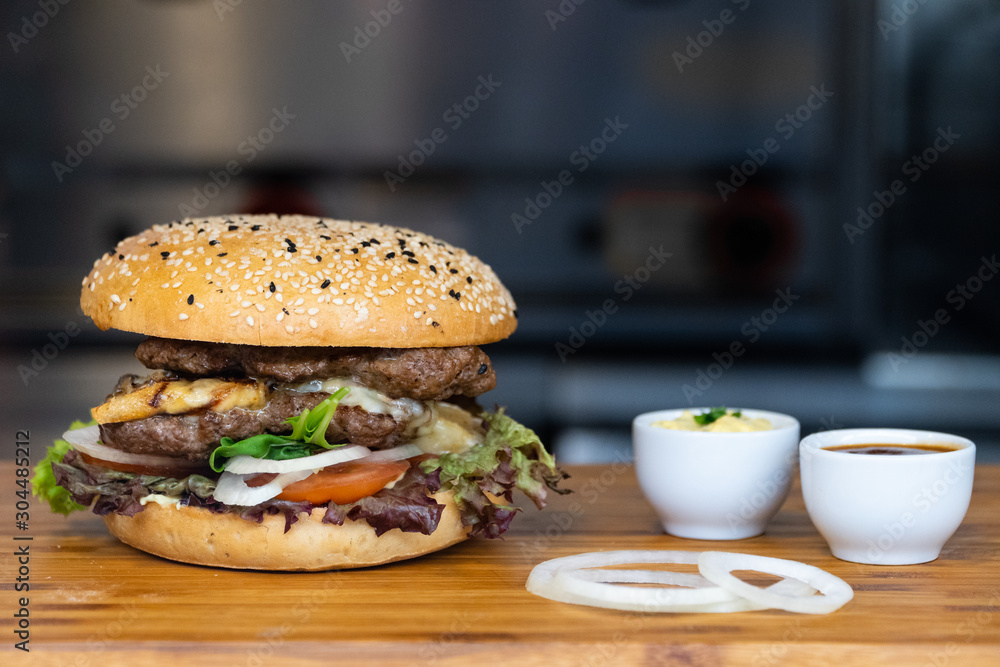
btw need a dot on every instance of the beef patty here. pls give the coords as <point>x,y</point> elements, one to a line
<point>194,436</point>
<point>423,373</point>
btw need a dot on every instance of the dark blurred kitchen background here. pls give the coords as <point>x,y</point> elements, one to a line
<point>783,205</point>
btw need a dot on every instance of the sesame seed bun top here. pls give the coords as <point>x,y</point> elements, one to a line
<point>297,281</point>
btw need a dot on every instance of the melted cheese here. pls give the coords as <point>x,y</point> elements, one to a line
<point>160,499</point>
<point>369,400</point>
<point>174,397</point>
<point>450,431</point>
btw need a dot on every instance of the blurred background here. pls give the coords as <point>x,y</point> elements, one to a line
<point>783,205</point>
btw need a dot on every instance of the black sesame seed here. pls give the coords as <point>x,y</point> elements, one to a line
<point>255,228</point>
<point>164,254</point>
<point>409,253</point>
<point>411,260</point>
<point>324,236</point>
<point>326,283</point>
<point>433,268</point>
<point>435,324</point>
<point>320,223</point>
<point>213,242</point>
<point>390,255</point>
<point>154,243</point>
<point>233,228</point>
<point>272,287</point>
<point>120,256</point>
<point>376,241</point>
<point>319,258</point>
<point>290,242</point>
<point>468,279</point>
<point>222,254</point>
<point>455,295</point>
<point>483,369</point>
<point>285,311</point>
<point>200,230</point>
<point>366,244</point>
<point>423,245</point>
<point>452,270</point>
<point>190,299</point>
<point>354,250</point>
<point>402,243</point>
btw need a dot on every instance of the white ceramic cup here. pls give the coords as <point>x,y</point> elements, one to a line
<point>715,486</point>
<point>883,509</point>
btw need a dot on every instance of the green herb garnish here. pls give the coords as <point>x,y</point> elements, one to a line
<point>713,415</point>
<point>307,438</point>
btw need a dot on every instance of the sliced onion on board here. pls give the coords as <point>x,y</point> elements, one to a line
<point>232,488</point>
<point>87,440</point>
<point>717,566</point>
<point>569,579</point>
<point>246,465</point>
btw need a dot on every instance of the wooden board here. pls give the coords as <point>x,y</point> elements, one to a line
<point>95,602</point>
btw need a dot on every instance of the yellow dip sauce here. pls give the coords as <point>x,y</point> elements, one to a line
<point>726,424</point>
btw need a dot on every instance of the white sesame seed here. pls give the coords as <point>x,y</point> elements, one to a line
<point>249,320</point>
<point>313,323</point>
<point>116,298</point>
<point>313,311</point>
<point>182,316</point>
<point>260,307</point>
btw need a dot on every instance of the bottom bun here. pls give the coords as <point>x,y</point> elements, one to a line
<point>196,535</point>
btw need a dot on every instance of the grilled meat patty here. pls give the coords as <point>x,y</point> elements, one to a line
<point>423,373</point>
<point>194,436</point>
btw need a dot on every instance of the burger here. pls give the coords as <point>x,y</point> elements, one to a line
<point>311,400</point>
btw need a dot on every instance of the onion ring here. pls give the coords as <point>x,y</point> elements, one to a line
<point>717,566</point>
<point>566,580</point>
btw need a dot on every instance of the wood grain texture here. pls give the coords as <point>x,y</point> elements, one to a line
<point>96,602</point>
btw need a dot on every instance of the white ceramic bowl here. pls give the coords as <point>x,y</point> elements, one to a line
<point>715,486</point>
<point>886,510</point>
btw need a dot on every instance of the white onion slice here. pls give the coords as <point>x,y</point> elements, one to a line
<point>545,581</point>
<point>232,489</point>
<point>394,454</point>
<point>567,580</point>
<point>246,465</point>
<point>717,566</point>
<point>597,585</point>
<point>87,440</point>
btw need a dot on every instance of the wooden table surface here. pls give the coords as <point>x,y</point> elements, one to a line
<point>95,602</point>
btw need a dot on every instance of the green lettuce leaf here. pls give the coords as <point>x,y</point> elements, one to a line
<point>511,457</point>
<point>43,484</point>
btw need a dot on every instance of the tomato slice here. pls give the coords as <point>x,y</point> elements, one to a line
<point>183,469</point>
<point>345,482</point>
